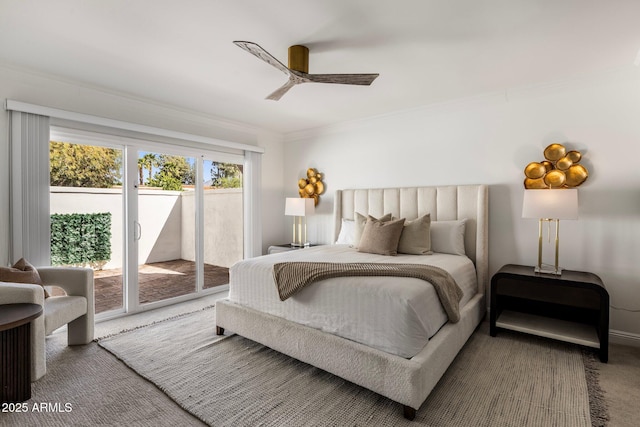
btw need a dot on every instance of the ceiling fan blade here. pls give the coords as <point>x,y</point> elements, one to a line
<point>259,52</point>
<point>345,79</point>
<point>277,94</point>
<point>295,75</point>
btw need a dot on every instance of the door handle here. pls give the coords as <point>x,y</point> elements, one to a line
<point>137,232</point>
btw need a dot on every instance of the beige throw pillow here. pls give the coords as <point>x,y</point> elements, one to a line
<point>416,237</point>
<point>380,237</point>
<point>22,272</point>
<point>361,220</point>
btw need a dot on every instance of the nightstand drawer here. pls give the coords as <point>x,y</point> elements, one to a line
<point>559,294</point>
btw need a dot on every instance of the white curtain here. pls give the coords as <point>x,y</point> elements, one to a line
<point>252,204</point>
<point>29,200</point>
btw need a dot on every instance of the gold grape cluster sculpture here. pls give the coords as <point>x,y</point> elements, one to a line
<point>311,186</point>
<point>560,169</point>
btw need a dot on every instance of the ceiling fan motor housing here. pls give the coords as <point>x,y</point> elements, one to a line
<point>299,58</point>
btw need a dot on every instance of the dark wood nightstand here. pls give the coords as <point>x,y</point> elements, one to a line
<point>285,248</point>
<point>15,351</point>
<point>573,307</point>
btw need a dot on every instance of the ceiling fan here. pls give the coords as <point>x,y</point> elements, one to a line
<point>298,69</point>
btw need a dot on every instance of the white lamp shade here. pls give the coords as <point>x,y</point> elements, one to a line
<point>297,206</point>
<point>550,204</point>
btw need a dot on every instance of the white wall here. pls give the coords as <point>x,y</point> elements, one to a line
<point>160,219</point>
<point>167,220</point>
<point>50,91</point>
<point>223,225</point>
<point>490,139</point>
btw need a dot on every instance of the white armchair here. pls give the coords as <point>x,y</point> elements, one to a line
<point>76,309</point>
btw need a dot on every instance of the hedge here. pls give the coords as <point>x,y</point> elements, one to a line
<point>81,239</point>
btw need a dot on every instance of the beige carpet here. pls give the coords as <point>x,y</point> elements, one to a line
<point>87,386</point>
<point>510,380</point>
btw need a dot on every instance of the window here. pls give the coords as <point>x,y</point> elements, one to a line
<point>31,199</point>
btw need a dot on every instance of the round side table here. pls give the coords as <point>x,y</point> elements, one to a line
<point>15,351</point>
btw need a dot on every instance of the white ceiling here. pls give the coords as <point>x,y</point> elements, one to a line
<point>426,51</point>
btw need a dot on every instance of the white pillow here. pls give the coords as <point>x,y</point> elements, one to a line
<point>347,232</point>
<point>448,237</point>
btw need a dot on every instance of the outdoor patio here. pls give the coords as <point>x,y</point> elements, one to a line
<point>157,281</point>
<point>170,234</point>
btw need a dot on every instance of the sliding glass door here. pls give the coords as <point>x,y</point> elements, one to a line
<point>169,221</point>
<point>86,211</point>
<point>223,219</point>
<point>166,226</point>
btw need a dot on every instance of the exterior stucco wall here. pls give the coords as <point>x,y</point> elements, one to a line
<point>167,221</point>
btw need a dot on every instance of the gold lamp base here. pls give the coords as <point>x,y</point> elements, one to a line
<point>547,268</point>
<point>550,206</point>
<point>300,245</point>
<point>300,232</point>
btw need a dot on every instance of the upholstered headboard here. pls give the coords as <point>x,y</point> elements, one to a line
<point>443,203</point>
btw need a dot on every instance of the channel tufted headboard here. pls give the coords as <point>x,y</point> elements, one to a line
<point>443,203</point>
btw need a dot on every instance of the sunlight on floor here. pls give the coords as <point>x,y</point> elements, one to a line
<point>146,269</point>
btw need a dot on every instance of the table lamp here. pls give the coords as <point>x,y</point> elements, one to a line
<point>550,205</point>
<point>299,208</point>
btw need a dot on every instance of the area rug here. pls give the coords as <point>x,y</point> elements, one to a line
<point>508,380</point>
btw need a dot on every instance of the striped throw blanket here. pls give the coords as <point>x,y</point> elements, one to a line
<point>290,277</point>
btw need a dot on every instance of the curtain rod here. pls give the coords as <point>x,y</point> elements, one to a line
<point>23,107</point>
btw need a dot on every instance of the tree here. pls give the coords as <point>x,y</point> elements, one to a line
<point>226,175</point>
<point>173,173</point>
<point>148,162</point>
<point>76,165</point>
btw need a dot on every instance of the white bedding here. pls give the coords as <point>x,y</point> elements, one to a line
<point>395,315</point>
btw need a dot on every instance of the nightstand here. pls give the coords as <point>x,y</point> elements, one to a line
<point>285,248</point>
<point>573,307</point>
<point>15,351</point>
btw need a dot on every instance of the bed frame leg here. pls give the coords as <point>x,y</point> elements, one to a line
<point>219,330</point>
<point>409,412</point>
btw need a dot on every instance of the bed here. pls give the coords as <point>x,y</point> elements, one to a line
<point>371,331</point>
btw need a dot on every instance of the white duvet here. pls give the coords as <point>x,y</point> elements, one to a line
<point>393,314</point>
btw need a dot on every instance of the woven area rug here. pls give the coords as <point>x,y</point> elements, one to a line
<point>509,380</point>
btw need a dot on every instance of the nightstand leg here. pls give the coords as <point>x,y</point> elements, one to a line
<point>604,352</point>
